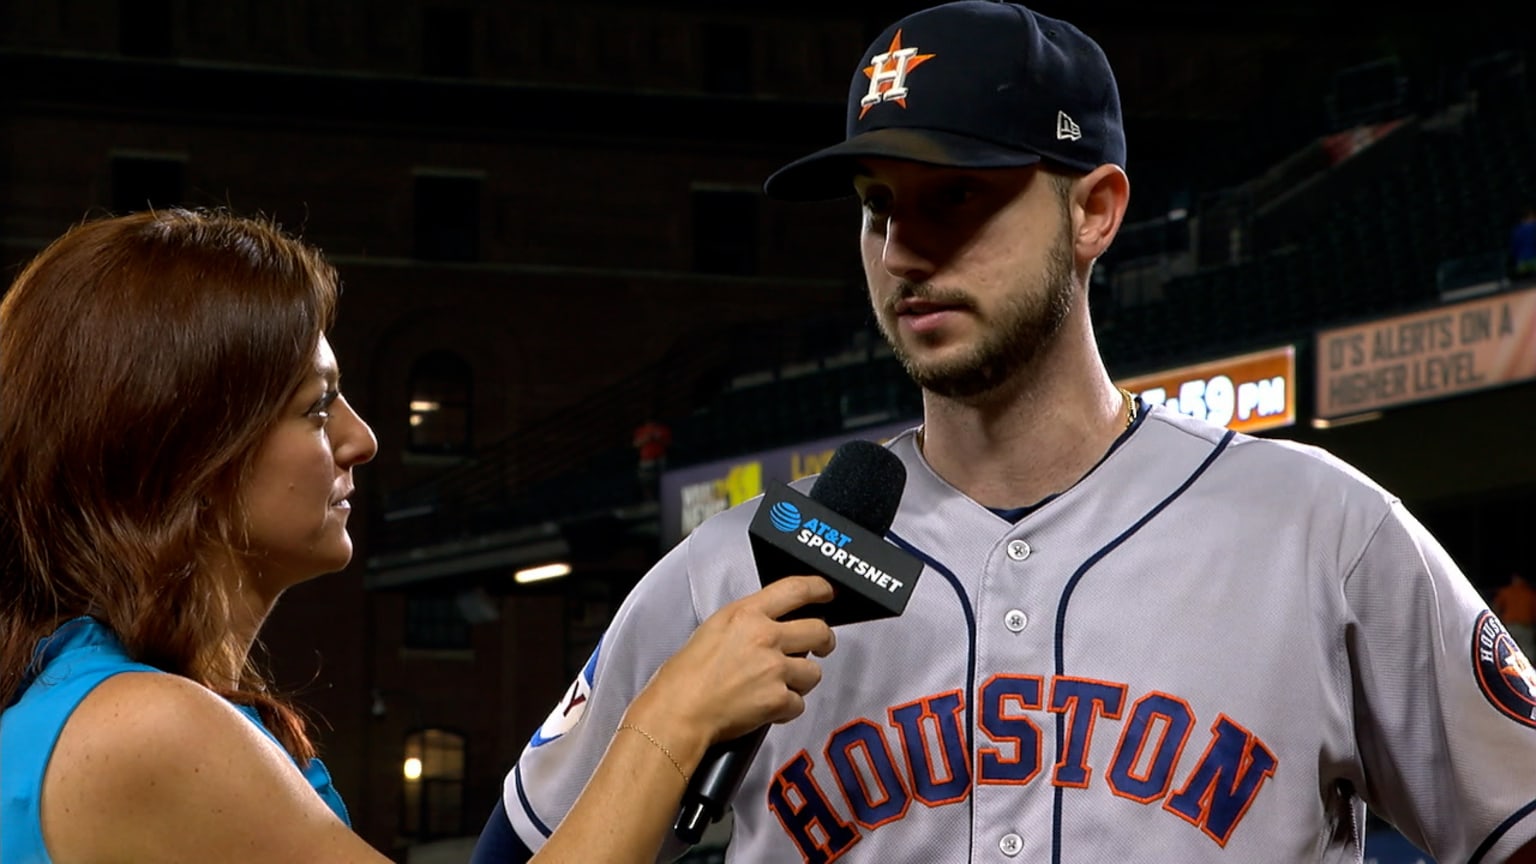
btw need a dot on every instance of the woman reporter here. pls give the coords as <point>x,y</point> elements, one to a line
<point>175,453</point>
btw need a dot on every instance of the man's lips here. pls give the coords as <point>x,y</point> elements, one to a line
<point>915,307</point>
<point>927,317</point>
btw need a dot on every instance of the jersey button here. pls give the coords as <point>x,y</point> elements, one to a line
<point>1018,550</point>
<point>1014,620</point>
<point>1011,844</point>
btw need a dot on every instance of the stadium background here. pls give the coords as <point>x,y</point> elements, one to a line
<point>548,223</point>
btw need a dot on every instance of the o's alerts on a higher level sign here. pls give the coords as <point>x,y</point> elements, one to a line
<point>1454,349</point>
<point>1249,392</point>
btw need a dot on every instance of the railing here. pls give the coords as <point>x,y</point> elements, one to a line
<point>581,460</point>
<point>533,474</point>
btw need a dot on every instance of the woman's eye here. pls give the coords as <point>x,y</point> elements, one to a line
<point>321,410</point>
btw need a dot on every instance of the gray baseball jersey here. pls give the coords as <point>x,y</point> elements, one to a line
<point>1212,648</point>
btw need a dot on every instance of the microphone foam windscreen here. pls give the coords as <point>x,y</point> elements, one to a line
<point>863,482</point>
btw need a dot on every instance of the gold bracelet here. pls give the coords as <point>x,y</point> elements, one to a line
<point>659,746</point>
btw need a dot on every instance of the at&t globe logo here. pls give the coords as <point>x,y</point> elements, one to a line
<point>784,516</point>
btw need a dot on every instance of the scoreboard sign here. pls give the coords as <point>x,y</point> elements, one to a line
<point>1248,393</point>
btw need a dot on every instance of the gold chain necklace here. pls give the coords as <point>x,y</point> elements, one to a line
<point>1130,407</point>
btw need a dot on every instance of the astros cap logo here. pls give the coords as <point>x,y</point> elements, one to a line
<point>888,75</point>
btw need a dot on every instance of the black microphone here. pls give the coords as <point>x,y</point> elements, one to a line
<point>838,532</point>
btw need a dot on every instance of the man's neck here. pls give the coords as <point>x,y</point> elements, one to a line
<point>1032,438</point>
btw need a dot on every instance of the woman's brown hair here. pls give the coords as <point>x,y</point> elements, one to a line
<point>143,358</point>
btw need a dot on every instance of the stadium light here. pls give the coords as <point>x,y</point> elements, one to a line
<point>542,572</point>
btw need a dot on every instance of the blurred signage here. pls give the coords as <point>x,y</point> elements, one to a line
<point>694,493</point>
<point>1454,349</point>
<point>1249,393</point>
<point>1342,145</point>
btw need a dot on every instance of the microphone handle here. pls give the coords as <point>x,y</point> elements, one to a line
<point>715,783</point>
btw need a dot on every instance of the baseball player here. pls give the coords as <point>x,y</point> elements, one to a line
<point>1138,636</point>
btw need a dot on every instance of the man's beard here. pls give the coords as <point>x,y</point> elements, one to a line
<point>1025,322</point>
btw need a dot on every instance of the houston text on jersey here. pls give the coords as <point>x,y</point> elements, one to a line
<point>1149,765</point>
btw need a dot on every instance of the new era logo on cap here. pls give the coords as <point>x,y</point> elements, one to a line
<point>972,84</point>
<point>1067,128</point>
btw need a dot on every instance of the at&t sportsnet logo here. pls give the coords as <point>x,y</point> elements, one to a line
<point>829,541</point>
<point>1504,673</point>
<point>785,516</point>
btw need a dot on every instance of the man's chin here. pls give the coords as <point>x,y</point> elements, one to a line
<point>962,382</point>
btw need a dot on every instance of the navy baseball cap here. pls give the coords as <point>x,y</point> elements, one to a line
<point>970,84</point>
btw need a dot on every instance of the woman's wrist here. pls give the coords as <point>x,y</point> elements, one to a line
<point>672,732</point>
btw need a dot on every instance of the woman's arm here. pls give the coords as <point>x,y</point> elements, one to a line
<point>736,673</point>
<point>154,767</point>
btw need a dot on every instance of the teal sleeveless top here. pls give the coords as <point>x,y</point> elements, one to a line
<point>71,662</point>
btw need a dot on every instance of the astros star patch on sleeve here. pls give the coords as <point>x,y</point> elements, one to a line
<point>1504,673</point>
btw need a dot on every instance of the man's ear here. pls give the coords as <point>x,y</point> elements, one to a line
<point>1099,199</point>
